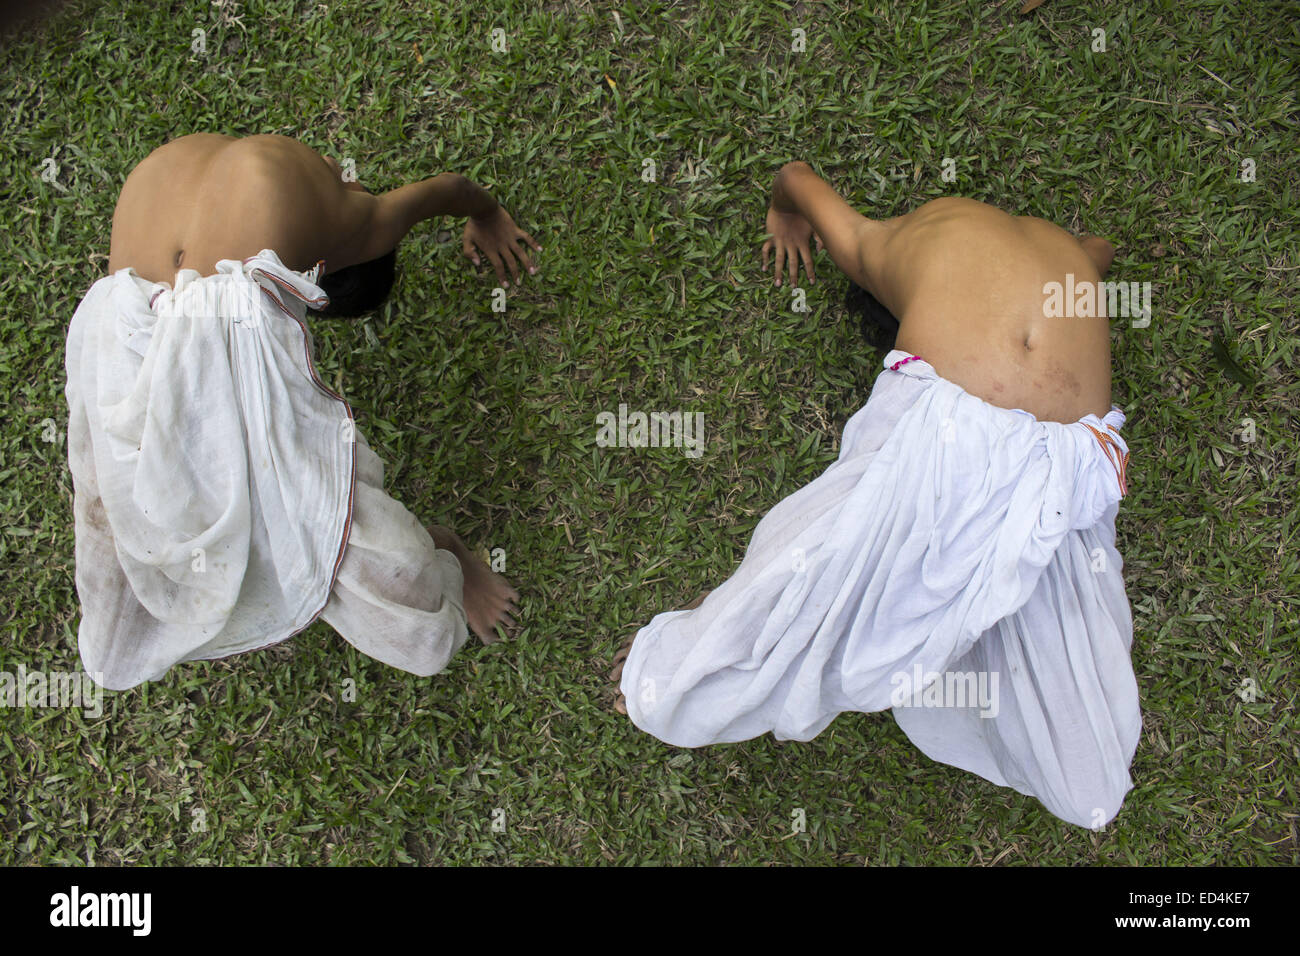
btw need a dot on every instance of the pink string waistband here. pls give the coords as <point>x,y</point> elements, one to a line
<point>910,358</point>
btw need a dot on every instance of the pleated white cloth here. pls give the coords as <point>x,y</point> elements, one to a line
<point>223,497</point>
<point>957,563</point>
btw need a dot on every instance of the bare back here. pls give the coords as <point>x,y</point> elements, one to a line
<point>206,197</point>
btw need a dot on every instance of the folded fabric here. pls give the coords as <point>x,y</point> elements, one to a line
<point>214,473</point>
<point>956,564</point>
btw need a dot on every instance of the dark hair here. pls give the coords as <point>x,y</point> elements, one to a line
<point>358,289</point>
<point>877,324</point>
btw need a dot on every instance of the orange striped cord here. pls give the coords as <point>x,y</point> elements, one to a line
<point>1118,460</point>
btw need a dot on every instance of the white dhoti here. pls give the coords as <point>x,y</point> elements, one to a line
<point>957,563</point>
<point>223,497</point>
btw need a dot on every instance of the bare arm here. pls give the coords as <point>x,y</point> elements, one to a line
<point>395,213</point>
<point>489,230</point>
<point>803,204</point>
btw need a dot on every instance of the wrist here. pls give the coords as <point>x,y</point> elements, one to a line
<point>780,196</point>
<point>478,202</point>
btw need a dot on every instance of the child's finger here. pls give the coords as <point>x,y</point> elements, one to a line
<point>767,246</point>
<point>467,247</point>
<point>806,255</point>
<point>526,258</point>
<point>511,255</point>
<point>531,241</point>
<point>495,259</point>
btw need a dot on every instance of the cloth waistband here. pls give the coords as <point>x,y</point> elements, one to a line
<point>265,269</point>
<point>1105,430</point>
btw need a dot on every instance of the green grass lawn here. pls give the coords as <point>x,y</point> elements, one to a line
<point>650,294</point>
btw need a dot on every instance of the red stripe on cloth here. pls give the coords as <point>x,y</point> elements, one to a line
<point>316,379</point>
<point>1118,460</point>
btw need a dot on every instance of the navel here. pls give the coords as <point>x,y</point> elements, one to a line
<point>180,254</point>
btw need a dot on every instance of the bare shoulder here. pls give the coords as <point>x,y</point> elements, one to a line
<point>281,149</point>
<point>179,156</point>
<point>187,160</point>
<point>955,208</point>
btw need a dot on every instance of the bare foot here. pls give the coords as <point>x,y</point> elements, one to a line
<point>489,598</point>
<point>620,701</point>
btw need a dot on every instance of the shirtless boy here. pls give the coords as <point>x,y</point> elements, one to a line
<point>956,564</point>
<point>965,281</point>
<point>224,497</point>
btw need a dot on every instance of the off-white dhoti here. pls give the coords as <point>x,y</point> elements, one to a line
<point>223,496</point>
<point>957,563</point>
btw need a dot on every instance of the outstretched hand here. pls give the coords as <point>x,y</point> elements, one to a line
<point>495,236</point>
<point>790,233</point>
